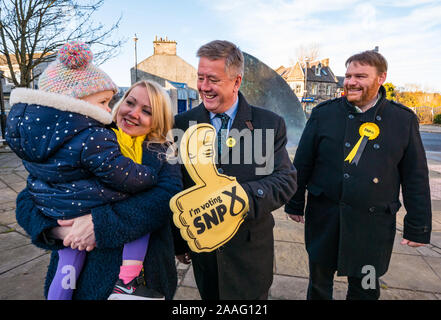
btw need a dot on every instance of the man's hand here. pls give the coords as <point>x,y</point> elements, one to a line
<point>411,243</point>
<point>184,258</point>
<point>82,235</point>
<point>296,218</point>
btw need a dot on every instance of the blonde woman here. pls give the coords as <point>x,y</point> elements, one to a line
<point>143,116</point>
<point>124,230</point>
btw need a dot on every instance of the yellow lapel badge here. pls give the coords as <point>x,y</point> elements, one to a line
<point>209,213</point>
<point>230,142</point>
<point>367,131</point>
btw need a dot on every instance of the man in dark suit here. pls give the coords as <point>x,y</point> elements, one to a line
<point>243,267</point>
<point>353,156</point>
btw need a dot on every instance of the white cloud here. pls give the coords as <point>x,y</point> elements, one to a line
<point>408,36</point>
<point>405,3</point>
<point>365,14</point>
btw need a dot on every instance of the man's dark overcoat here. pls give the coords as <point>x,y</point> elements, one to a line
<point>245,263</point>
<point>350,215</point>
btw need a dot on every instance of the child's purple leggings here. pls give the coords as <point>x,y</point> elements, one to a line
<point>70,263</point>
<point>136,250</point>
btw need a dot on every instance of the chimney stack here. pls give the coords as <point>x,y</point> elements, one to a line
<point>164,46</point>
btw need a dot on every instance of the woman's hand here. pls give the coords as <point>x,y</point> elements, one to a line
<point>62,231</point>
<point>66,223</point>
<point>82,234</point>
<point>59,232</point>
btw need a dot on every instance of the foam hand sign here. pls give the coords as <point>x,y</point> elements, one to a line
<point>209,213</point>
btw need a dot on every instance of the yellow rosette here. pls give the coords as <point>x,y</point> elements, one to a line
<point>209,213</point>
<point>367,131</point>
<point>231,142</point>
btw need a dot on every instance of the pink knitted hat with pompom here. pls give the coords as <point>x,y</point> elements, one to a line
<point>73,73</point>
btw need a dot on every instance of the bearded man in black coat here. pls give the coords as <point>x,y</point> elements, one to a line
<point>354,155</point>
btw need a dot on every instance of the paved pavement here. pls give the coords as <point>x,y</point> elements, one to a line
<point>414,274</point>
<point>435,128</point>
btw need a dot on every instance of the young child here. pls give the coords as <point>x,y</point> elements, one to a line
<point>74,161</point>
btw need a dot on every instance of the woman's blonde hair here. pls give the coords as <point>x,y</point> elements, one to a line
<point>162,118</point>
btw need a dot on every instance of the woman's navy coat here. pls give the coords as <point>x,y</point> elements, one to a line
<point>115,225</point>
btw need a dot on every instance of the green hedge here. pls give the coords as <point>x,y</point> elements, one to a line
<point>437,118</point>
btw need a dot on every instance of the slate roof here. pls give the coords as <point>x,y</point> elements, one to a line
<point>340,79</point>
<point>326,74</point>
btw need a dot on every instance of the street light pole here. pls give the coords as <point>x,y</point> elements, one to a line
<point>305,91</point>
<point>135,39</point>
<point>2,108</point>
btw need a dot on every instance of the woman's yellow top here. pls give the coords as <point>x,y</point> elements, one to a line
<point>131,147</point>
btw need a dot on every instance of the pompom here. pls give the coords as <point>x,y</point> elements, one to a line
<point>75,55</point>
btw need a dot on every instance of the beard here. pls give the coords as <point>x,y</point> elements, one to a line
<point>361,96</point>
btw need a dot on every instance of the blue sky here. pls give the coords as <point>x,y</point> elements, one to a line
<point>408,32</point>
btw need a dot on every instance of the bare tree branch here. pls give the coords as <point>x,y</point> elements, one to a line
<point>308,52</point>
<point>31,31</point>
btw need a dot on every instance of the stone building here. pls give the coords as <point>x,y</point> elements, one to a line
<point>340,86</point>
<point>321,83</point>
<point>173,73</point>
<point>183,98</point>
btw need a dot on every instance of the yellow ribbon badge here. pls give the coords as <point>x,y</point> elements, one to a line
<point>209,213</point>
<point>367,131</point>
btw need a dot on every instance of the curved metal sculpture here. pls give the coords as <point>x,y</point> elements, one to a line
<point>264,87</point>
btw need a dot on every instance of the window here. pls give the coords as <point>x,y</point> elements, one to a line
<point>298,89</point>
<point>328,90</point>
<point>318,68</point>
<point>314,88</point>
